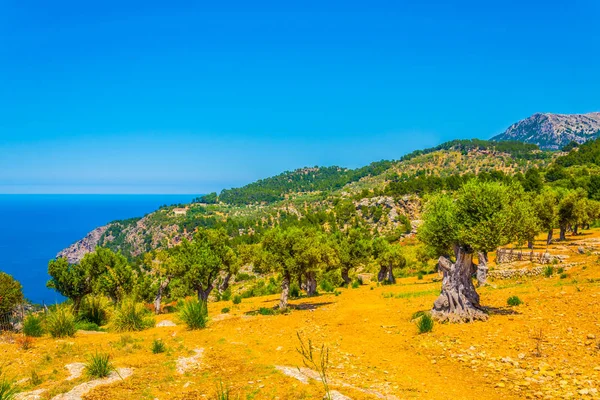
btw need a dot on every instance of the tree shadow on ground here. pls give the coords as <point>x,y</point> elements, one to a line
<point>501,311</point>
<point>305,306</point>
<point>309,306</point>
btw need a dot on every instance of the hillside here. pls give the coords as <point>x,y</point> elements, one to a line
<point>539,349</point>
<point>553,131</point>
<point>384,196</point>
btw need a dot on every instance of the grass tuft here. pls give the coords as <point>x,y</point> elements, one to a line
<point>99,366</point>
<point>131,316</point>
<point>158,346</point>
<point>61,322</point>
<point>237,299</point>
<point>194,313</point>
<point>425,323</point>
<point>514,301</point>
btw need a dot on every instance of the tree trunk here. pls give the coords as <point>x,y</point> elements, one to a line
<point>549,240</point>
<point>225,284</point>
<point>390,275</point>
<point>482,268</point>
<point>345,276</point>
<point>311,283</point>
<point>285,290</point>
<point>458,301</point>
<point>381,274</point>
<point>159,294</point>
<point>563,231</point>
<point>530,244</point>
<point>576,229</point>
<point>204,293</point>
<point>76,305</point>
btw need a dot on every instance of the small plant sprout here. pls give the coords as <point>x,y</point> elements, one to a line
<point>320,364</point>
<point>538,337</point>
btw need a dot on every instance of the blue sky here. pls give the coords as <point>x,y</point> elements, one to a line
<point>191,97</point>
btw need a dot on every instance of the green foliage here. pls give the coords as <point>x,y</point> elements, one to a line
<point>356,284</point>
<point>326,286</point>
<point>425,323</point>
<point>225,310</point>
<point>563,276</point>
<point>10,293</point>
<point>585,154</point>
<point>95,309</point>
<point>266,311</point>
<point>88,326</point>
<point>194,313</point>
<point>60,322</point>
<point>158,346</point>
<point>548,271</point>
<point>294,290</point>
<point>33,326</point>
<point>237,299</point>
<point>514,301</point>
<point>222,392</point>
<point>131,316</point>
<point>320,364</point>
<point>99,366</point>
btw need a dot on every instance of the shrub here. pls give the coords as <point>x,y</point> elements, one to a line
<point>34,378</point>
<point>327,286</point>
<point>95,309</point>
<point>99,366</point>
<point>425,323</point>
<point>87,326</point>
<point>242,276</point>
<point>266,311</point>
<point>225,310</point>
<point>563,276</point>
<point>237,299</point>
<point>226,295</point>
<point>33,326</point>
<point>355,284</point>
<point>194,313</point>
<point>294,290</point>
<point>560,270</point>
<point>131,316</point>
<point>158,346</point>
<point>61,322</point>
<point>548,271</point>
<point>420,276</point>
<point>514,301</point>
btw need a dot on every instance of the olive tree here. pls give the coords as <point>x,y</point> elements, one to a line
<point>389,256</point>
<point>11,293</point>
<point>354,249</point>
<point>204,259</point>
<point>477,219</point>
<point>163,268</point>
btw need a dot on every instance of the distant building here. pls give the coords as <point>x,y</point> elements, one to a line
<point>180,211</point>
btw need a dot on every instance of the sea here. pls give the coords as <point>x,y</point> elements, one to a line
<point>34,228</point>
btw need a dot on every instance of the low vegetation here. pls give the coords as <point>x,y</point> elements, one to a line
<point>194,313</point>
<point>60,322</point>
<point>99,366</point>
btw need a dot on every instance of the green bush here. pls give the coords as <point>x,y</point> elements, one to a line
<point>225,310</point>
<point>226,295</point>
<point>563,276</point>
<point>131,316</point>
<point>158,346</point>
<point>355,284</point>
<point>194,313</point>
<point>425,323</point>
<point>87,326</point>
<point>99,366</point>
<point>548,271</point>
<point>237,299</point>
<point>95,309</point>
<point>266,311</point>
<point>420,276</point>
<point>560,270</point>
<point>60,322</point>
<point>294,290</point>
<point>33,326</point>
<point>327,286</point>
<point>242,276</point>
<point>514,301</point>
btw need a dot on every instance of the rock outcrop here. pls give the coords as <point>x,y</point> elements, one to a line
<point>75,252</point>
<point>553,131</point>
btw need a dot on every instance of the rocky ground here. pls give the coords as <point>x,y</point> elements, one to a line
<point>548,347</point>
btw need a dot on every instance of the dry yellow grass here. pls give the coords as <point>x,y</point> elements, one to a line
<point>374,346</point>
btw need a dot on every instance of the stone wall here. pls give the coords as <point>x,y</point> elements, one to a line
<point>512,255</point>
<point>522,272</point>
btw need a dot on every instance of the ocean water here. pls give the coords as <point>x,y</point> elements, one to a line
<point>33,228</point>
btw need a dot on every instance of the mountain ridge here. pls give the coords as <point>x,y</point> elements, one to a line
<point>552,131</point>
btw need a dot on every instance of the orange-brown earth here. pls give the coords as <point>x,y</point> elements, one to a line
<point>548,347</point>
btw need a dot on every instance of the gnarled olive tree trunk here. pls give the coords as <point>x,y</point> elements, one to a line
<point>458,302</point>
<point>482,268</point>
<point>311,283</point>
<point>204,293</point>
<point>345,276</point>
<point>159,294</point>
<point>285,290</point>
<point>386,273</point>
<point>549,239</point>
